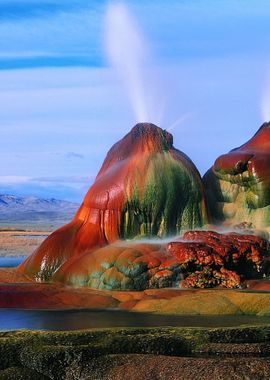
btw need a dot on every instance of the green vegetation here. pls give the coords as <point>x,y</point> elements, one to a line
<point>53,355</point>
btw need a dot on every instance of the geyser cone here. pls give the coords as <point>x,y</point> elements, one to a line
<point>144,188</point>
<point>238,184</point>
<point>260,141</point>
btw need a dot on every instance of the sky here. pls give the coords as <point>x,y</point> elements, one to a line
<point>63,105</point>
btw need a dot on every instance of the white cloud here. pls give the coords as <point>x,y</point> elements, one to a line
<point>63,179</point>
<point>12,179</point>
<point>60,179</point>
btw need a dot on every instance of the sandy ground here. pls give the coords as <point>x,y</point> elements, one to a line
<point>20,242</point>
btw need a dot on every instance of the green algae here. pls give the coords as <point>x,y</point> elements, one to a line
<point>170,202</point>
<point>246,198</point>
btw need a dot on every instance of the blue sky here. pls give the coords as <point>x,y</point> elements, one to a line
<point>63,106</point>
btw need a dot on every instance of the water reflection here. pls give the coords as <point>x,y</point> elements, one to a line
<point>12,319</point>
<point>11,262</point>
<point>30,236</point>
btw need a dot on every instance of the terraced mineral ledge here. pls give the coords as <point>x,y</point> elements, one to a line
<point>198,259</point>
<point>30,295</point>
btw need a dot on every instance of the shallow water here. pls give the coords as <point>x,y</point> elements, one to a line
<point>30,236</point>
<point>13,319</point>
<point>11,262</point>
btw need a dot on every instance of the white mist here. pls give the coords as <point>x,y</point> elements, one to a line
<point>128,54</point>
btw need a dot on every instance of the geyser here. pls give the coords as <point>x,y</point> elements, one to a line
<point>265,100</point>
<point>128,53</point>
<point>145,188</point>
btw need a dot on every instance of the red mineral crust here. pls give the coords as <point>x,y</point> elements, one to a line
<point>237,186</point>
<point>211,259</point>
<point>144,188</point>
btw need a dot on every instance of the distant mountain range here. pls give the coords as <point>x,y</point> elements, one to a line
<point>34,213</point>
<point>10,204</point>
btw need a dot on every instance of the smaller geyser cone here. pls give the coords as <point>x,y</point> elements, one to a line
<point>144,188</point>
<point>238,184</point>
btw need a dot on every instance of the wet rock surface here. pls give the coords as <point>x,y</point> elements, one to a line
<point>168,301</point>
<point>141,192</point>
<point>216,259</point>
<point>124,266</point>
<point>198,259</point>
<point>237,185</point>
<point>145,188</point>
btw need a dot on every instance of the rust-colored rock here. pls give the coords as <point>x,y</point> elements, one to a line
<point>211,259</point>
<point>200,259</point>
<point>144,188</point>
<point>52,296</point>
<point>167,301</point>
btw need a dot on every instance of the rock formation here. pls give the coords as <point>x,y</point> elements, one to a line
<point>198,259</point>
<point>209,259</point>
<point>144,188</point>
<point>122,266</point>
<point>238,184</point>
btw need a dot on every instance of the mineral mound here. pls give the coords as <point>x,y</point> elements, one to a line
<point>199,259</point>
<point>238,185</point>
<point>211,259</point>
<point>144,188</point>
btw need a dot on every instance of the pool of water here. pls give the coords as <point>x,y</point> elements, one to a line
<point>13,319</point>
<point>30,236</point>
<point>11,262</point>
